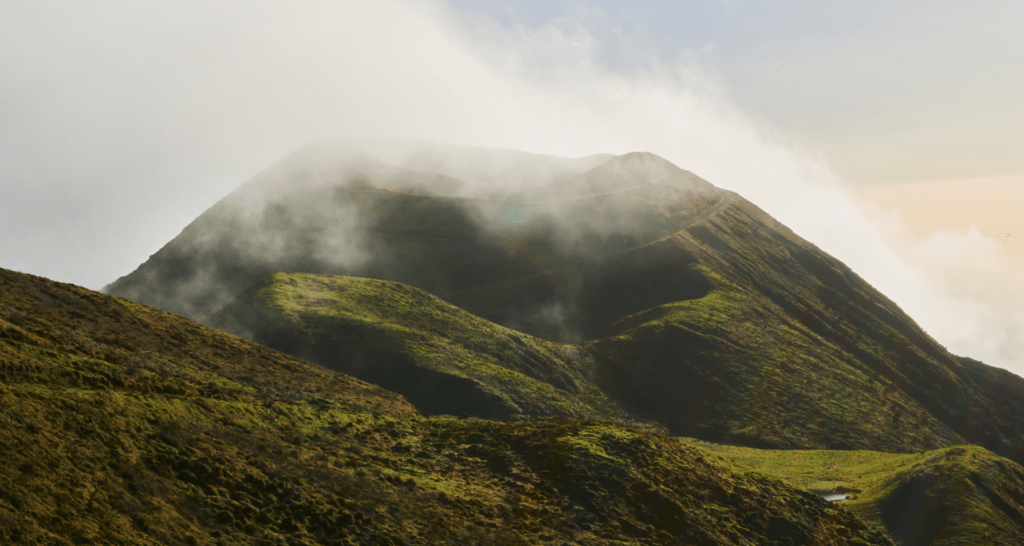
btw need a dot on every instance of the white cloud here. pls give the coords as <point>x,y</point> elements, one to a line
<point>133,121</point>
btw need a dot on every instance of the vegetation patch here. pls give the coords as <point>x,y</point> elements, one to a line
<point>950,496</point>
<point>729,367</point>
<point>440,357</point>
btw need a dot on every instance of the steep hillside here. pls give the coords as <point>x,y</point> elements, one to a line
<point>961,495</point>
<point>441,358</point>
<point>854,325</point>
<point>731,367</point>
<point>122,424</point>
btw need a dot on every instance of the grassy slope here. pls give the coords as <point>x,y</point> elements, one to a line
<point>846,318</point>
<point>731,367</point>
<point>122,424</point>
<point>382,331</point>
<point>962,495</point>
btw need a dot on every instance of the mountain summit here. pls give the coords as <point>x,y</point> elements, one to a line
<point>643,168</point>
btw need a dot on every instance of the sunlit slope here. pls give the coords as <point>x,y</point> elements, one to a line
<point>122,424</point>
<point>441,358</point>
<point>963,495</point>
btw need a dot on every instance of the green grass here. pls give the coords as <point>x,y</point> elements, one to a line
<point>349,315</point>
<point>730,367</point>
<point>951,496</point>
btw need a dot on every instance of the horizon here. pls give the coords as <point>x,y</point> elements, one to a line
<point>124,123</point>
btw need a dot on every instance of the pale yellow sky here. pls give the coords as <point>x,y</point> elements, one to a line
<point>993,205</point>
<point>967,238</point>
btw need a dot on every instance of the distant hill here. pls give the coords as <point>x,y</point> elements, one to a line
<point>698,309</point>
<point>950,496</point>
<point>122,424</point>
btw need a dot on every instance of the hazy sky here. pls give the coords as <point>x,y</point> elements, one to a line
<point>887,133</point>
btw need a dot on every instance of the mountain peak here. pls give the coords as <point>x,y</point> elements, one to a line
<point>625,172</point>
<point>645,168</point>
<point>640,160</point>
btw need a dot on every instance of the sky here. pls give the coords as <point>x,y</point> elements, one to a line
<point>887,133</point>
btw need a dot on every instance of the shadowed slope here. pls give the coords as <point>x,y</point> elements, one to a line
<point>294,217</point>
<point>329,209</point>
<point>121,424</point>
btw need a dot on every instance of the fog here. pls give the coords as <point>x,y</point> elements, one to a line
<point>121,122</point>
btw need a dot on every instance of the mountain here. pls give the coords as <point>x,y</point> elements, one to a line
<point>950,496</point>
<point>124,424</point>
<point>699,311</point>
<point>622,174</point>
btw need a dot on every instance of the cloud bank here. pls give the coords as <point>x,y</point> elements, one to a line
<point>122,122</point>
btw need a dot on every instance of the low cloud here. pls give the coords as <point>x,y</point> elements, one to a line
<point>134,120</point>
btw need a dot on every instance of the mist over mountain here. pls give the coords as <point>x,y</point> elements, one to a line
<point>699,311</point>
<point>333,209</point>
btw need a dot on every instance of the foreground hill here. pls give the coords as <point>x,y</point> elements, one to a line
<point>952,496</point>
<point>441,358</point>
<point>698,309</point>
<point>123,424</point>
